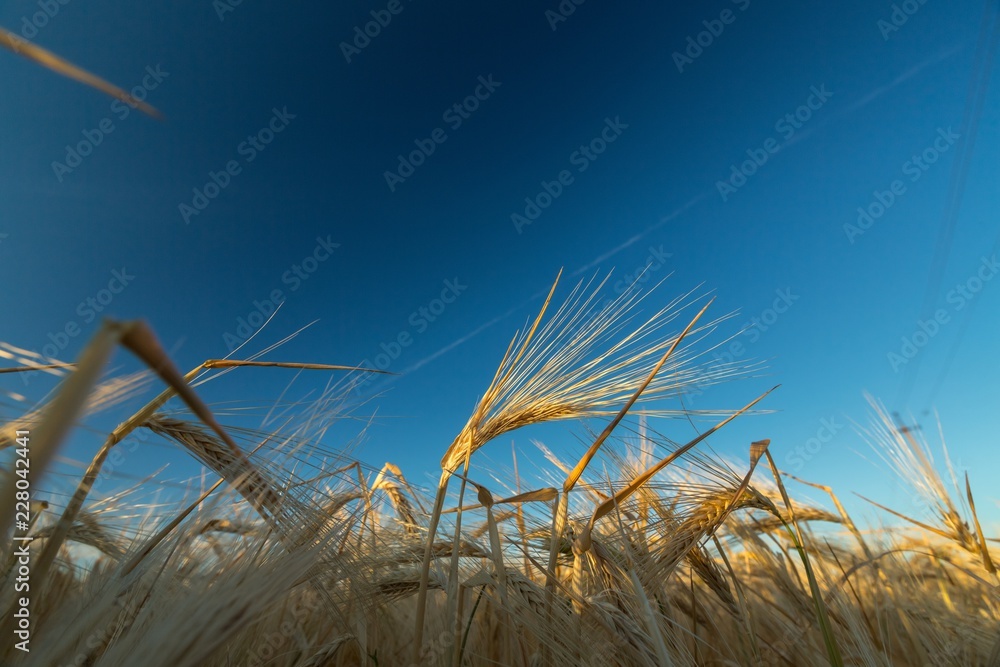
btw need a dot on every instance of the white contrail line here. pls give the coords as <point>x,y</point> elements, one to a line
<point>677,212</point>
<point>649,230</point>
<point>908,74</point>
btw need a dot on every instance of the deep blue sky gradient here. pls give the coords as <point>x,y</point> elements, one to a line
<point>653,189</point>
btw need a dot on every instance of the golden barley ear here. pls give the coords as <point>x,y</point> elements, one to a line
<point>49,60</point>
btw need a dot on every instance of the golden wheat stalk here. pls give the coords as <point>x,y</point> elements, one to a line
<point>47,59</point>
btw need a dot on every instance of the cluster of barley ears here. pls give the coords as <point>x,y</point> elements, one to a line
<point>640,550</point>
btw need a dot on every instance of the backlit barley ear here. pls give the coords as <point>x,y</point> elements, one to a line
<point>217,456</point>
<point>910,459</point>
<point>404,511</point>
<point>806,514</point>
<point>405,584</point>
<point>709,572</point>
<point>339,501</point>
<point>526,592</point>
<point>87,530</point>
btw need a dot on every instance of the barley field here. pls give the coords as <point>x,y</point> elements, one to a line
<point>632,537</point>
<point>644,551</point>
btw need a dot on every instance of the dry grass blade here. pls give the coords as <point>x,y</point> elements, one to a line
<point>649,620</point>
<point>833,651</point>
<point>138,338</point>
<point>32,359</point>
<point>984,550</point>
<point>486,499</point>
<point>919,524</point>
<point>61,66</point>
<point>39,367</point>
<point>644,477</point>
<point>62,412</point>
<point>76,501</point>
<point>537,496</point>
<point>236,363</point>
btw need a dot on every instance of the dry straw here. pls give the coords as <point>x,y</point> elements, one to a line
<point>668,557</point>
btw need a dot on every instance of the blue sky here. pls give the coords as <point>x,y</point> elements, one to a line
<point>269,173</point>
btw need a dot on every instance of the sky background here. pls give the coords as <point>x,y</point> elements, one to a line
<point>223,71</point>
